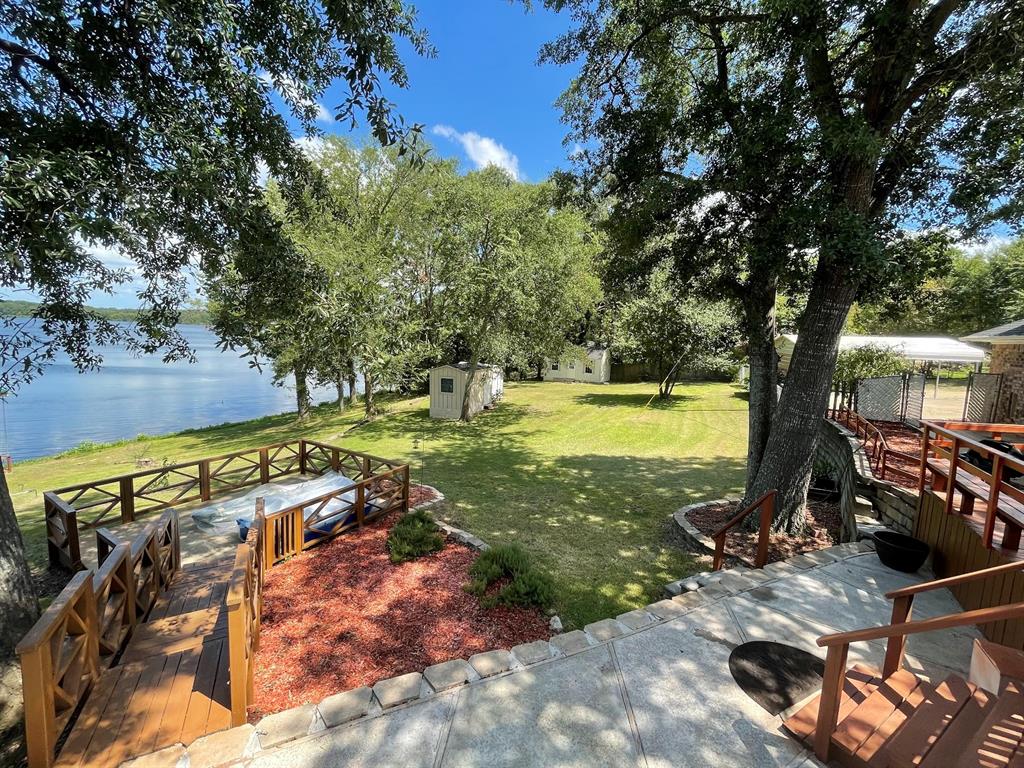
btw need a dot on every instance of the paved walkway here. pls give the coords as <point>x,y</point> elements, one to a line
<point>657,696</point>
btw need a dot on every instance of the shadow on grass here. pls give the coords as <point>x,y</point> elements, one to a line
<point>633,400</point>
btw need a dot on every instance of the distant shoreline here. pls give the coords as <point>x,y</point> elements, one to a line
<point>28,308</point>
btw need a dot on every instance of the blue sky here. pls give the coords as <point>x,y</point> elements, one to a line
<point>484,91</point>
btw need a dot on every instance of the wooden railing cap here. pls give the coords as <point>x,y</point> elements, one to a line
<point>46,623</point>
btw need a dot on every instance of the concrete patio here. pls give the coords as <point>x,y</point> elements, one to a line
<point>651,689</point>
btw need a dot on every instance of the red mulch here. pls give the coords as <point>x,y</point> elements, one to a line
<point>420,494</point>
<point>824,522</point>
<point>341,615</point>
<point>901,438</point>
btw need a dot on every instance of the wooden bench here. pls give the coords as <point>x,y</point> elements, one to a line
<point>1009,506</point>
<point>147,655</point>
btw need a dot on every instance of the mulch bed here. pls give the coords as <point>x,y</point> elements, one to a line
<point>901,438</point>
<point>341,615</point>
<point>421,494</point>
<point>824,523</point>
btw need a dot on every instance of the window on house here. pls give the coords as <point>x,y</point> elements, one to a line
<point>588,368</point>
<point>572,366</point>
<point>554,366</point>
<point>447,385</point>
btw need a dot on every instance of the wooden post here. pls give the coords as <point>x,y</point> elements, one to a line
<point>360,503</point>
<point>366,468</point>
<point>299,530</point>
<point>901,608</point>
<point>335,459</point>
<point>302,457</point>
<point>40,716</point>
<point>954,457</point>
<point>767,513</point>
<point>716,564</point>
<point>828,706</point>
<point>204,480</point>
<point>993,500</point>
<point>264,465</point>
<point>127,500</point>
<point>405,489</point>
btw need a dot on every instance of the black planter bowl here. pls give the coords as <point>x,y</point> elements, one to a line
<point>900,552</point>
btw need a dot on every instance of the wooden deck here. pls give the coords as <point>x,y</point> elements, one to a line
<point>142,652</point>
<point>147,653</point>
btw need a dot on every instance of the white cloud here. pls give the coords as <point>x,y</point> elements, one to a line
<point>482,150</point>
<point>323,114</point>
<point>975,247</point>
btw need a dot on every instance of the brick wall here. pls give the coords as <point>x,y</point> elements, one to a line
<point>1008,359</point>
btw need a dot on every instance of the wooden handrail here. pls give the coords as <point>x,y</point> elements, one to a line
<point>838,646</point>
<point>950,620</point>
<point>766,503</point>
<point>947,444</point>
<point>953,581</point>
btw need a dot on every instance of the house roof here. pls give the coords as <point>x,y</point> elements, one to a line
<point>595,346</point>
<point>464,366</point>
<point>940,349</point>
<point>1011,333</point>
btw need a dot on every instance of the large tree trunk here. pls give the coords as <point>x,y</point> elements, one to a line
<point>351,384</point>
<point>789,453</point>
<point>759,312</point>
<point>301,393</point>
<point>467,402</point>
<point>18,605</point>
<point>369,404</point>
<point>340,385</point>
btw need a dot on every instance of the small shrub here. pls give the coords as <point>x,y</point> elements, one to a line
<point>413,536</point>
<point>524,585</point>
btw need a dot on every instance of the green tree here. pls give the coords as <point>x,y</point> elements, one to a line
<point>671,333</point>
<point>972,293</point>
<point>868,361</point>
<point>882,114</point>
<point>139,128</point>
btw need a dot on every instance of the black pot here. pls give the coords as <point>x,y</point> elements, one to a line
<point>900,552</point>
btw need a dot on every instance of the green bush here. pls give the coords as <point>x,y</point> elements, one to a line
<point>413,536</point>
<point>526,585</point>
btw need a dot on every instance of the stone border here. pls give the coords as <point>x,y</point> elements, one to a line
<point>689,531</point>
<point>439,497</point>
<point>461,536</point>
<point>891,504</point>
<point>406,690</point>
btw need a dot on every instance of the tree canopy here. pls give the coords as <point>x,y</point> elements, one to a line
<point>802,141</point>
<point>132,137</point>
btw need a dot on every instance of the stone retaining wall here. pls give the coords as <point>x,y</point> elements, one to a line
<point>894,505</point>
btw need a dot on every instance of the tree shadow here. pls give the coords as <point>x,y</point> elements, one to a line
<point>632,400</point>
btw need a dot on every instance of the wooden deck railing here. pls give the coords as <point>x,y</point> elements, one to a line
<point>896,633</point>
<point>244,606</point>
<point>289,531</point>
<point>86,627</point>
<point>123,498</point>
<point>942,442</point>
<point>875,445</point>
<point>766,504</point>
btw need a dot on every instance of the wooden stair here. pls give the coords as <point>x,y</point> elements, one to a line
<point>171,684</point>
<point>904,722</point>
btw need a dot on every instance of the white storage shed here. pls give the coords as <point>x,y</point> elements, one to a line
<point>595,367</point>
<point>448,387</point>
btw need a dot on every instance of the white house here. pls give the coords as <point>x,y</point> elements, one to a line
<point>448,387</point>
<point>596,366</point>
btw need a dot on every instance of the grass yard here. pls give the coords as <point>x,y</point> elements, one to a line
<point>585,477</point>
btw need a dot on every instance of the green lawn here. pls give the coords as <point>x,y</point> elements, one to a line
<point>585,477</point>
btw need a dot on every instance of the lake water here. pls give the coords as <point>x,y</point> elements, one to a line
<point>140,395</point>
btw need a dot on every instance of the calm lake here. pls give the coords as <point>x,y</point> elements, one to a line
<point>140,395</point>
